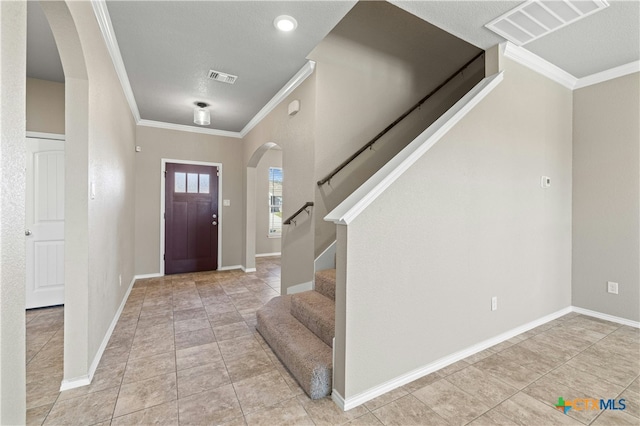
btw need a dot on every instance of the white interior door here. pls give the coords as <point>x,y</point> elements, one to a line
<point>44,231</point>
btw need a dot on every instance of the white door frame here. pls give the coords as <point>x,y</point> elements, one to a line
<point>163,163</point>
<point>39,135</point>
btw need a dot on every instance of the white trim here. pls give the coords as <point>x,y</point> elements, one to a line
<point>86,380</point>
<point>247,270</point>
<point>163,163</point>
<point>230,268</point>
<point>361,398</point>
<point>145,276</point>
<point>327,259</point>
<point>78,382</point>
<point>360,199</point>
<point>104,21</point>
<point>605,317</point>
<point>269,254</point>
<point>40,135</point>
<point>539,65</point>
<point>338,399</point>
<point>286,90</point>
<point>299,288</point>
<point>610,74</point>
<point>189,129</point>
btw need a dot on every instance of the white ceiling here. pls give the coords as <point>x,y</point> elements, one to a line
<point>604,40</point>
<point>169,46</point>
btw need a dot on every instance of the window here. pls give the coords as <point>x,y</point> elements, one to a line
<point>192,183</point>
<point>275,201</point>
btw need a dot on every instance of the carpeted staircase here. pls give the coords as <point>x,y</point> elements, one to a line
<point>299,328</point>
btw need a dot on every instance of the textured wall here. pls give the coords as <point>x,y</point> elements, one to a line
<point>468,221</point>
<point>171,144</point>
<point>377,63</point>
<point>296,136</point>
<point>45,106</point>
<point>13,22</point>
<point>606,191</point>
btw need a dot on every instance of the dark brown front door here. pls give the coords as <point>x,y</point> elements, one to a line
<point>191,218</point>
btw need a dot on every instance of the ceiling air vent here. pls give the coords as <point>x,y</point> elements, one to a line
<point>222,77</point>
<point>534,19</point>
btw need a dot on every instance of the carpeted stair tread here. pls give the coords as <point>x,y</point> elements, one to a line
<point>317,313</point>
<point>307,357</point>
<point>326,283</point>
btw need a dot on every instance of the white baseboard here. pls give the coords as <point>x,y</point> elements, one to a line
<point>269,254</point>
<point>75,383</point>
<point>145,276</point>
<point>247,270</point>
<point>299,288</point>
<point>86,380</point>
<point>338,399</point>
<point>605,317</point>
<point>230,268</point>
<point>368,395</point>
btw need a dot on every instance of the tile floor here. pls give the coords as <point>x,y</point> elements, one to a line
<point>185,351</point>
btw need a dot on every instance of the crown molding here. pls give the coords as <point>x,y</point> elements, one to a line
<point>191,129</point>
<point>610,74</point>
<point>108,34</point>
<point>286,90</point>
<point>104,21</point>
<point>539,65</point>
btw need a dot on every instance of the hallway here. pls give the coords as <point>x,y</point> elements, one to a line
<point>185,351</point>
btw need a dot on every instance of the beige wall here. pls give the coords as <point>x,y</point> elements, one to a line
<point>13,24</point>
<point>45,106</point>
<point>264,244</point>
<point>157,144</point>
<point>468,221</point>
<point>296,136</point>
<point>100,138</point>
<point>606,191</point>
<point>369,73</point>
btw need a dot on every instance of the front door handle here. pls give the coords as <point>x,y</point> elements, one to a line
<point>214,223</point>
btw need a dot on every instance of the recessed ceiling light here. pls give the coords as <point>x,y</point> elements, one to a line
<point>285,23</point>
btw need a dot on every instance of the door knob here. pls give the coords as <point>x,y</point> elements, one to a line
<point>214,223</point>
<point>27,232</point>
<point>215,216</point>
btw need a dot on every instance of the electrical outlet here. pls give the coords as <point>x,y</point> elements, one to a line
<point>120,279</point>
<point>494,303</point>
<point>545,181</point>
<point>612,287</point>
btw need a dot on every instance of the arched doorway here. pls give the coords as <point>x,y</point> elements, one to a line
<point>262,208</point>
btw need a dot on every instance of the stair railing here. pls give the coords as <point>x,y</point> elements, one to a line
<point>304,208</point>
<point>392,125</point>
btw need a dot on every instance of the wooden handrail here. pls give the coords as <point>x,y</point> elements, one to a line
<point>305,207</point>
<point>392,125</point>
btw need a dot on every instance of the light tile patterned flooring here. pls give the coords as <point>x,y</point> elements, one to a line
<point>185,351</point>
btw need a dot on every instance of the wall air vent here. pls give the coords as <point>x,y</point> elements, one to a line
<point>534,19</point>
<point>222,77</point>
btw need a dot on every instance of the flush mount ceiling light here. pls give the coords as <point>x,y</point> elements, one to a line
<point>534,19</point>
<point>285,23</point>
<point>201,115</point>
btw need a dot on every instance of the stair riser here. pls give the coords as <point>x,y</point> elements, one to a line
<point>325,283</point>
<point>307,358</point>
<point>322,324</point>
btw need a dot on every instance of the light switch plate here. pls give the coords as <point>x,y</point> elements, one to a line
<point>226,203</point>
